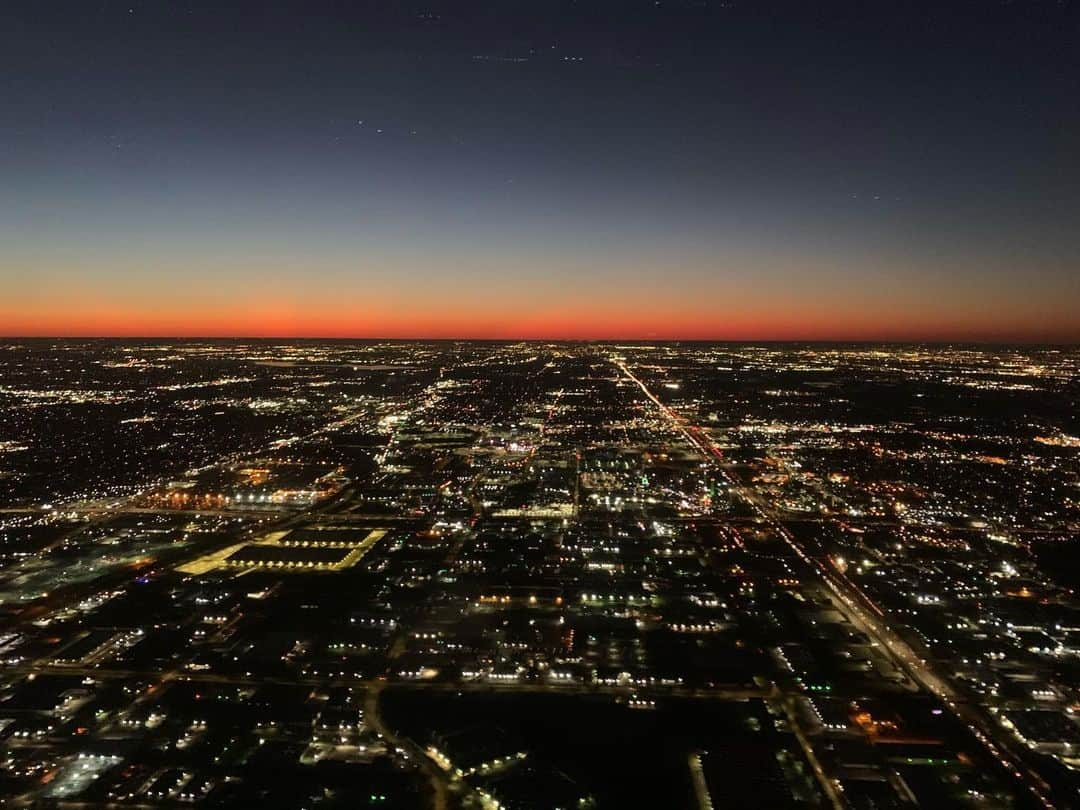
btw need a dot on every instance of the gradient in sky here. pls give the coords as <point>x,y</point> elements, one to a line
<point>681,169</point>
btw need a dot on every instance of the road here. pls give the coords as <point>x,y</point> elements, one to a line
<point>864,614</point>
<point>827,784</point>
<point>701,787</point>
<point>436,776</point>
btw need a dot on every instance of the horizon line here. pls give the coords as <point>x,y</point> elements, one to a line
<point>983,341</point>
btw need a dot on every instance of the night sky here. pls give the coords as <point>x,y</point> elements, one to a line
<point>674,169</point>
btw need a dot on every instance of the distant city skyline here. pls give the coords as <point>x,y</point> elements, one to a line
<point>767,171</point>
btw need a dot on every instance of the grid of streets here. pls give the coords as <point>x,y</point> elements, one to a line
<point>495,575</point>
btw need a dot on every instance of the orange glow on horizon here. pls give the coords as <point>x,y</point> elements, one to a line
<point>285,322</point>
<point>536,307</point>
<point>649,297</point>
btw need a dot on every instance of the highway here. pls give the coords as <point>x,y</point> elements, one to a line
<point>866,615</point>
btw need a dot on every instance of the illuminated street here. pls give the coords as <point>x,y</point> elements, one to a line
<point>450,538</point>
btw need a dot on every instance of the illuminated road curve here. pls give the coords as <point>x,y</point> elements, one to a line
<point>440,783</point>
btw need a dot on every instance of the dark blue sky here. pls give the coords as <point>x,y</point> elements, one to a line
<point>573,169</point>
